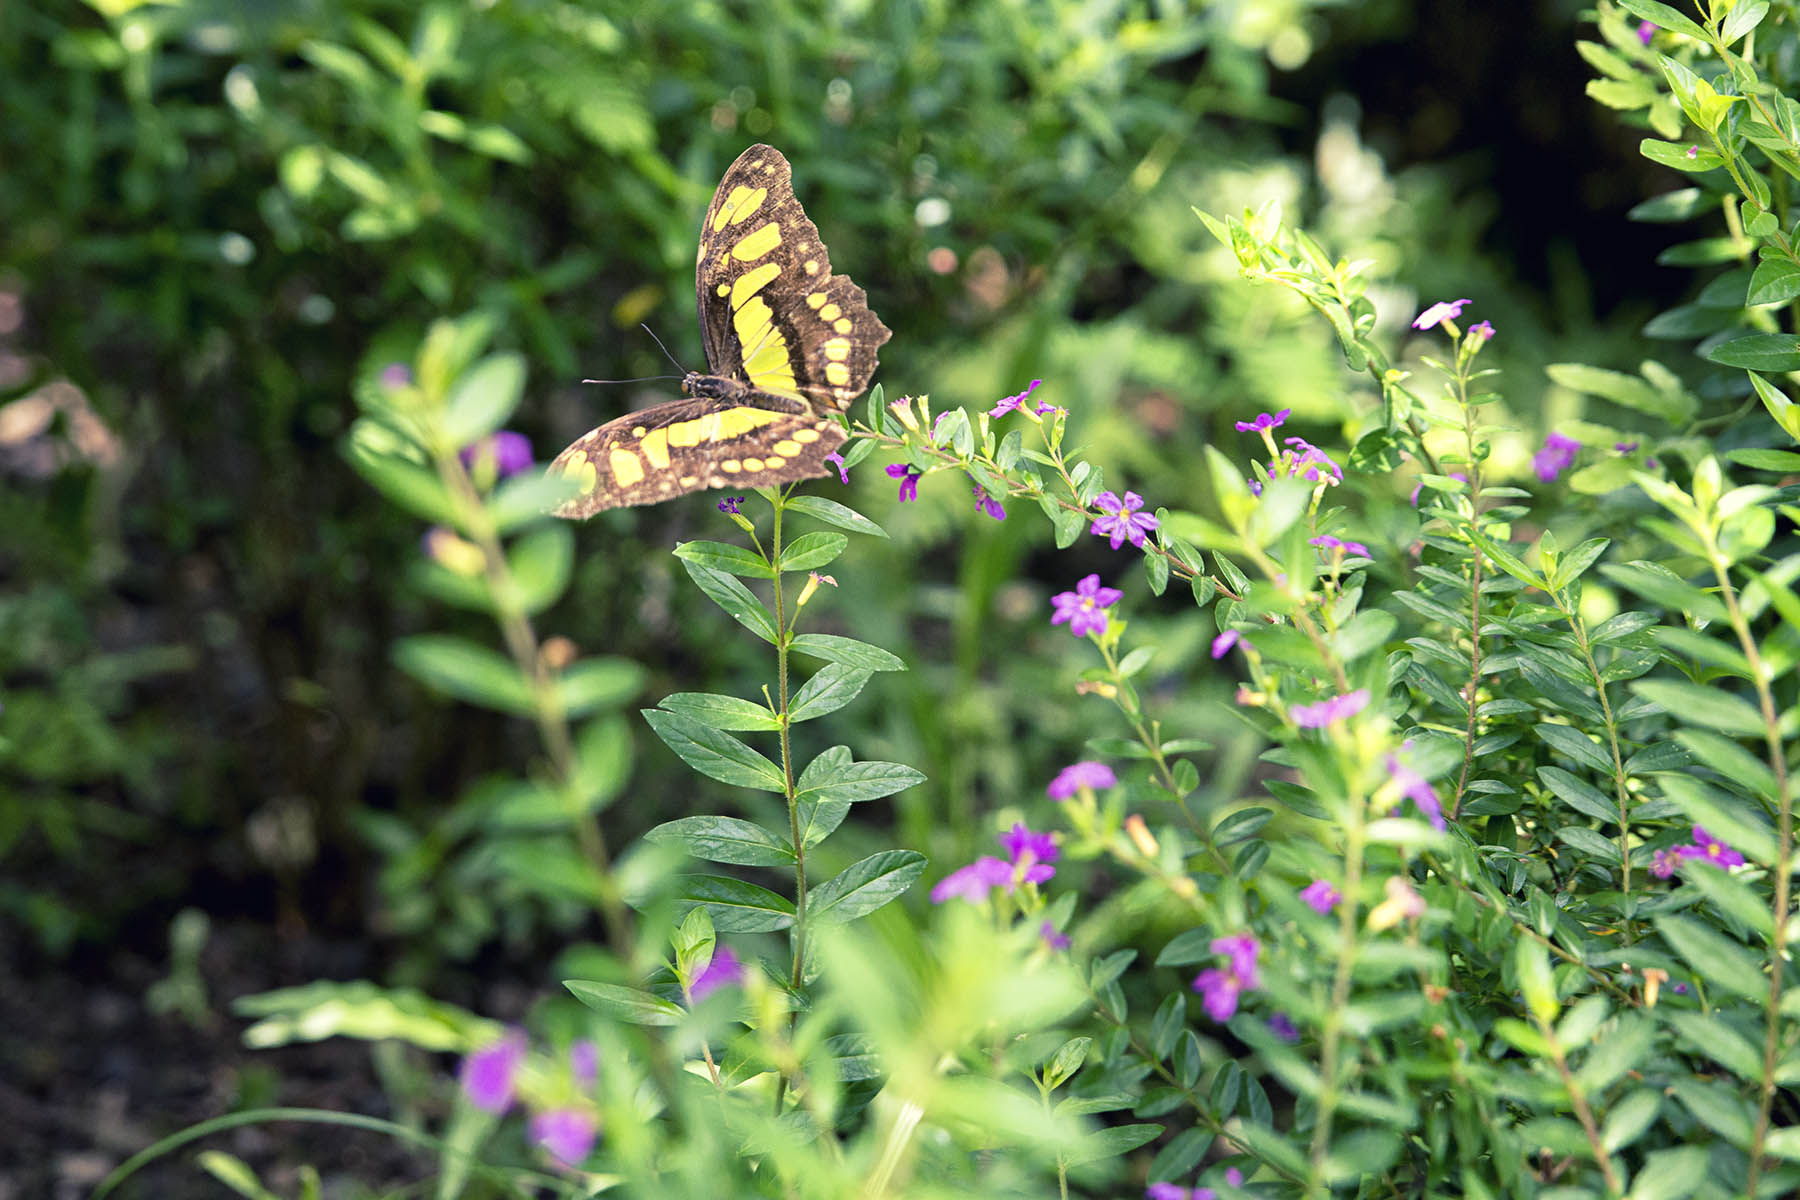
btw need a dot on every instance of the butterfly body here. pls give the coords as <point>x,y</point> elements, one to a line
<point>789,346</point>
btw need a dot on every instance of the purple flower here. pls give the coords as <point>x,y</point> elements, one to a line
<point>1242,949</point>
<point>1218,990</point>
<point>1330,710</point>
<point>1052,937</point>
<point>1305,454</point>
<point>987,504</point>
<point>1693,151</point>
<point>1645,31</point>
<point>1075,776</point>
<point>509,452</point>
<point>1282,1027</point>
<point>1555,458</point>
<point>1234,1177</point>
<point>395,375</point>
<point>975,881</point>
<point>843,471</point>
<point>584,1062</point>
<point>1011,402</point>
<point>1708,848</point>
<point>1020,841</point>
<point>909,481</point>
<point>567,1133</point>
<point>1481,331</point>
<point>730,504</point>
<point>1328,542</point>
<point>1221,645</point>
<point>1321,895</point>
<point>724,969</point>
<point>1166,1191</point>
<point>1437,314</point>
<point>487,1074</point>
<point>1418,789</point>
<point>1085,607</point>
<point>1122,520</point>
<point>1264,422</point>
<point>1664,863</point>
<point>1625,447</point>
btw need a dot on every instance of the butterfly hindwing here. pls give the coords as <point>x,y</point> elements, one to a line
<point>771,312</point>
<point>683,446</point>
<point>789,345</point>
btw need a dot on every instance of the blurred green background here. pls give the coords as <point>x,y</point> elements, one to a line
<point>213,215</point>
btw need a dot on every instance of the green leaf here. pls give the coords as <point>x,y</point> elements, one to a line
<point>540,561</point>
<point>848,651</point>
<point>1658,584</point>
<point>735,599</point>
<point>1709,706</point>
<point>466,671</point>
<point>630,1005</point>
<point>1718,1107</point>
<point>1623,1049</point>
<point>1112,1142</point>
<point>722,712</point>
<point>1583,797</point>
<point>1181,1155</point>
<point>832,687</point>
<point>412,487</point>
<point>714,753</point>
<point>855,781</point>
<point>864,886</point>
<point>810,551</point>
<point>1589,842</point>
<point>726,840</point>
<point>1675,156</point>
<point>1746,16</point>
<point>1712,1038</point>
<point>1531,963</point>
<point>736,906</point>
<point>1576,745</point>
<point>1629,391</point>
<point>1672,1174</point>
<point>1719,960</point>
<point>482,399</point>
<point>1774,352</point>
<point>1775,281</point>
<point>1766,460</point>
<point>598,683</point>
<point>722,556</point>
<point>833,513</point>
<point>526,498</point>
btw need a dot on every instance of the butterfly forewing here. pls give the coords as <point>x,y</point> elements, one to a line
<point>788,343</point>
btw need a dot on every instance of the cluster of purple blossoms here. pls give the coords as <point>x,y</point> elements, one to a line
<point>1122,521</point>
<point>909,477</point>
<point>1085,607</point>
<point>489,1079</point>
<point>1088,775</point>
<point>724,970</point>
<point>1219,987</point>
<point>1321,896</point>
<point>503,452</point>
<point>1705,848</point>
<point>987,504</point>
<point>1557,456</point>
<point>1418,789</point>
<point>1028,860</point>
<point>1327,542</point>
<point>1330,710</point>
<point>1170,1191</point>
<point>1011,402</point>
<point>1264,422</point>
<point>730,504</point>
<point>1304,460</point>
<point>1439,313</point>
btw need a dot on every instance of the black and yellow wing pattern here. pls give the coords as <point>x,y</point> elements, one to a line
<point>789,346</point>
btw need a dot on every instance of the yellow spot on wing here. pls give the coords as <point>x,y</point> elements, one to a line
<point>754,245</point>
<point>583,472</point>
<point>815,299</point>
<point>812,266</point>
<point>731,465</point>
<point>752,282</point>
<point>842,325</point>
<point>738,205</point>
<point>837,349</point>
<point>806,435</point>
<point>724,289</point>
<point>787,448</point>
<point>837,374</point>
<point>656,448</point>
<point>626,468</point>
<point>753,464</point>
<point>830,312</point>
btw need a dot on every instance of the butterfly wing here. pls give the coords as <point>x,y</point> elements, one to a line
<point>683,446</point>
<point>772,314</point>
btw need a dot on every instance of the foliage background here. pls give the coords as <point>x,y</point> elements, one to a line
<point>212,216</point>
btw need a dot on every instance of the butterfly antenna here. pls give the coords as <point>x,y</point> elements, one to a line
<point>639,379</point>
<point>660,345</point>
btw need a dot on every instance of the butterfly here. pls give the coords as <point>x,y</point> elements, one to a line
<point>788,345</point>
